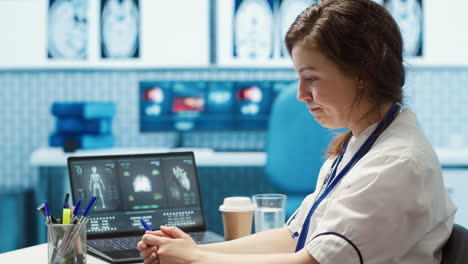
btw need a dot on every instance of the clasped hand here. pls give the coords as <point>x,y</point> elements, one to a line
<point>169,245</point>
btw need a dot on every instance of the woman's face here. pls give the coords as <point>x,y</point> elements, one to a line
<point>327,91</point>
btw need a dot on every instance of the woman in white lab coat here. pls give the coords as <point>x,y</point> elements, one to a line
<point>380,196</point>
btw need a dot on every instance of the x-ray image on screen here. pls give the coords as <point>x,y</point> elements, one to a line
<point>253,29</point>
<point>409,16</point>
<point>179,176</point>
<point>288,11</point>
<point>96,185</point>
<point>142,184</point>
<point>98,179</point>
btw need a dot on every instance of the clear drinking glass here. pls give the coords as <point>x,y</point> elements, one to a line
<point>270,211</point>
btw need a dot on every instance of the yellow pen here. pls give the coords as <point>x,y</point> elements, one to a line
<point>66,216</point>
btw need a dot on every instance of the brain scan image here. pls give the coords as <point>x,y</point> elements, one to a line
<point>120,28</point>
<point>253,30</point>
<point>68,29</point>
<point>289,10</point>
<point>141,183</point>
<point>409,16</point>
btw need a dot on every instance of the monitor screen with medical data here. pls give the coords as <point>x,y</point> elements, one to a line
<point>160,188</point>
<point>206,105</point>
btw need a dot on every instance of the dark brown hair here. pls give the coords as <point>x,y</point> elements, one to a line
<point>363,40</point>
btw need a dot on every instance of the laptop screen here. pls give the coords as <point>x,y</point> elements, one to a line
<point>160,188</point>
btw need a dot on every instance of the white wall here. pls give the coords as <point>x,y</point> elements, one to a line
<point>446,31</point>
<point>22,27</point>
<point>173,33</point>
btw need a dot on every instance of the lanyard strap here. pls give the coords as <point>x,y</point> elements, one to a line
<point>334,179</point>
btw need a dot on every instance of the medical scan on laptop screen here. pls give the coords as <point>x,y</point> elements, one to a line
<point>161,189</point>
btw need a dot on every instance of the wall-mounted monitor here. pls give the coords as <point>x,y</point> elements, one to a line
<point>206,105</point>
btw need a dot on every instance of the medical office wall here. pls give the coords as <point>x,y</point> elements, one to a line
<point>104,33</point>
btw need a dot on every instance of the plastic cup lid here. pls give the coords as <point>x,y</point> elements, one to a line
<point>237,204</point>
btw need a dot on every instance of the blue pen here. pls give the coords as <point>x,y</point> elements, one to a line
<point>47,213</point>
<point>145,225</point>
<point>87,209</point>
<point>75,212</point>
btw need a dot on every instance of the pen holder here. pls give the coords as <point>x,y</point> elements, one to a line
<point>66,243</point>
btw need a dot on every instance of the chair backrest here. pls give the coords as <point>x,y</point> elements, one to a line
<point>455,251</point>
<point>295,145</point>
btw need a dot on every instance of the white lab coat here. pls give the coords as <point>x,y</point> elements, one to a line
<point>391,207</point>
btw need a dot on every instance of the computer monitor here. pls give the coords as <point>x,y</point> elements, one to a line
<point>206,105</point>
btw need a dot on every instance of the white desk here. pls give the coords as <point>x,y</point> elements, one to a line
<point>55,157</point>
<point>453,156</point>
<point>37,255</point>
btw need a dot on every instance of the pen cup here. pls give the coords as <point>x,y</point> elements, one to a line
<point>66,243</point>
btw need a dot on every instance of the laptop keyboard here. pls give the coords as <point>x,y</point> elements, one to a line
<point>115,244</point>
<point>124,243</point>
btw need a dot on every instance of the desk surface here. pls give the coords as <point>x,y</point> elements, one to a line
<point>55,157</point>
<point>36,254</point>
<point>453,156</point>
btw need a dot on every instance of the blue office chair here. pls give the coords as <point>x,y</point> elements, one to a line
<point>295,148</point>
<point>455,251</point>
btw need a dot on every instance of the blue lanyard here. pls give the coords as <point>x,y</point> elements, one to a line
<point>333,179</point>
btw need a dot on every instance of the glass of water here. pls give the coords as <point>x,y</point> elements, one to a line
<point>270,211</point>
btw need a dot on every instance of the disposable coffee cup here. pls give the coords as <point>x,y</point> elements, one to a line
<point>237,215</point>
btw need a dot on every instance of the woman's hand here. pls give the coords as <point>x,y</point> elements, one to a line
<point>148,252</point>
<point>170,245</point>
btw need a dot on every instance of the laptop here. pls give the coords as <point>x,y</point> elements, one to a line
<point>161,188</point>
